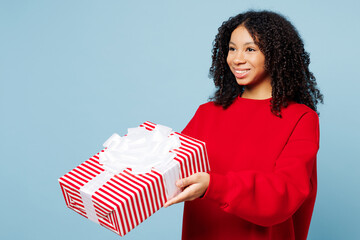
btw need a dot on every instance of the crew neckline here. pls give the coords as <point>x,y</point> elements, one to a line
<point>254,100</point>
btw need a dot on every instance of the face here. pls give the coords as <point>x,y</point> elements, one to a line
<point>247,62</point>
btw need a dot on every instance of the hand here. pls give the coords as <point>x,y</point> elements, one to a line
<point>192,188</point>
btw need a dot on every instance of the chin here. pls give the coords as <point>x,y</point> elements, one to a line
<point>241,82</point>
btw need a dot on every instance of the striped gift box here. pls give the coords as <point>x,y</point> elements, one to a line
<point>123,201</point>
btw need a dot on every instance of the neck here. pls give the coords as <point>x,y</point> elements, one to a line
<point>256,94</point>
<point>261,89</point>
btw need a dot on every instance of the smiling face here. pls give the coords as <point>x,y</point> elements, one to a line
<point>247,63</point>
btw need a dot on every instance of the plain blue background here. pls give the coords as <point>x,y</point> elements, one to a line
<point>74,72</point>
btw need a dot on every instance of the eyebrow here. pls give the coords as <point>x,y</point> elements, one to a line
<point>247,43</point>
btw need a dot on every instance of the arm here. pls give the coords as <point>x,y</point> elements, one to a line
<point>270,198</point>
<point>194,186</point>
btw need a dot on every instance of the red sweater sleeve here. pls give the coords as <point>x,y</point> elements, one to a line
<point>268,198</point>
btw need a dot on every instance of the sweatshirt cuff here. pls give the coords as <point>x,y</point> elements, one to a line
<point>215,190</point>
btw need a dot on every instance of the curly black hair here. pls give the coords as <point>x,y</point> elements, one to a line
<point>286,61</point>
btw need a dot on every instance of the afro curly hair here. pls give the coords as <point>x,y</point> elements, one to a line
<point>286,61</point>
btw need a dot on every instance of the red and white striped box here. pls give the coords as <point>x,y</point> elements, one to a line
<point>127,199</point>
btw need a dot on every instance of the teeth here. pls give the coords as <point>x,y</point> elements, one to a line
<point>243,71</point>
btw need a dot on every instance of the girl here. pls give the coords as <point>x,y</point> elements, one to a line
<point>262,136</point>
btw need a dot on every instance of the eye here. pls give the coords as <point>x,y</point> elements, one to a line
<point>250,49</point>
<point>231,49</point>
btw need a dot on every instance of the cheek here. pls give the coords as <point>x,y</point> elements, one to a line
<point>263,64</point>
<point>258,62</point>
<point>262,61</point>
<point>228,60</point>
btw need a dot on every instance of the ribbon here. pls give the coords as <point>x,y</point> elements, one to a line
<point>141,150</point>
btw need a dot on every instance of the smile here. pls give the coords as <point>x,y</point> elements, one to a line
<point>241,73</point>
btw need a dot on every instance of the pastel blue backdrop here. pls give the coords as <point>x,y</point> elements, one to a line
<point>74,72</point>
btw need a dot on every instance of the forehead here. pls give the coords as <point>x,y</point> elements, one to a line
<point>240,36</point>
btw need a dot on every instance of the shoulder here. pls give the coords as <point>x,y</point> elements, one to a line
<point>299,116</point>
<point>205,111</point>
<point>305,122</point>
<point>303,118</point>
<point>298,111</point>
<point>202,113</point>
<point>209,107</point>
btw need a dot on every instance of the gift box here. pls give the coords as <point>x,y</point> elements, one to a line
<point>131,179</point>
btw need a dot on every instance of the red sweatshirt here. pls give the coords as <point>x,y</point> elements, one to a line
<point>263,172</point>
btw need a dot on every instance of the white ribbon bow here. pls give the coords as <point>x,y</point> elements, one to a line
<point>141,150</point>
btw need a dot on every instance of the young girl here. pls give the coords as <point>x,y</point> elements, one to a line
<point>262,136</point>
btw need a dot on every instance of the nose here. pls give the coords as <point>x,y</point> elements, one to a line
<point>239,58</point>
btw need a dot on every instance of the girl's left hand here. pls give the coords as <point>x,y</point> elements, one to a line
<point>193,187</point>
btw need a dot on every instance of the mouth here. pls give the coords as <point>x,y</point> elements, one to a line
<point>241,73</point>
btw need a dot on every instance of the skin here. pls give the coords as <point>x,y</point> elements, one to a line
<point>244,56</point>
<point>192,187</point>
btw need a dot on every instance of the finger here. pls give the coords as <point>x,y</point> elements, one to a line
<point>192,189</point>
<point>172,201</point>
<point>182,183</point>
<point>179,198</point>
